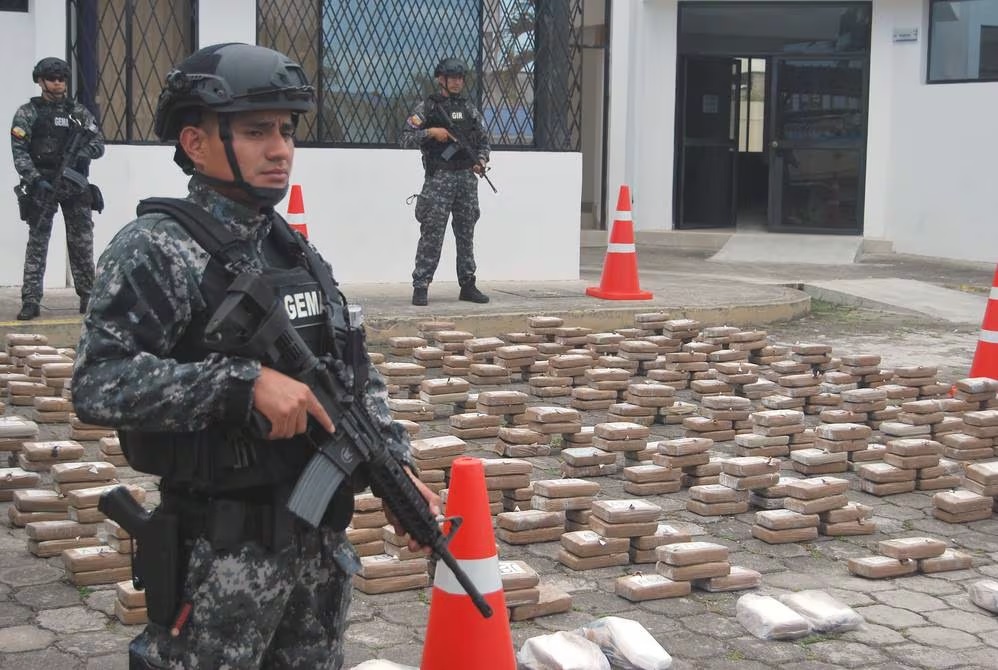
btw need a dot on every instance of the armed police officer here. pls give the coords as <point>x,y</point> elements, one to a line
<point>257,587</point>
<point>450,132</point>
<point>44,132</point>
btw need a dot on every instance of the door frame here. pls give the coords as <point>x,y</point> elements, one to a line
<point>775,201</point>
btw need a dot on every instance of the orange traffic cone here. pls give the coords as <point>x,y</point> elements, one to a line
<point>986,357</point>
<point>296,211</point>
<point>620,268</point>
<point>458,637</point>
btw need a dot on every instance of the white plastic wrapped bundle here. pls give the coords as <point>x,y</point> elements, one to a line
<point>769,619</point>
<point>822,611</point>
<point>627,644</point>
<point>561,651</point>
<point>985,594</point>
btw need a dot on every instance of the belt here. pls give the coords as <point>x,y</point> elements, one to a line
<point>227,522</point>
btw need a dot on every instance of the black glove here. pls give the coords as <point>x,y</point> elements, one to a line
<point>42,186</point>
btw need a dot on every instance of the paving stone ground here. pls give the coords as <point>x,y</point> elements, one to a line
<point>920,621</point>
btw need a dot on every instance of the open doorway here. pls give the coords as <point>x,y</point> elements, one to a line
<point>771,114</point>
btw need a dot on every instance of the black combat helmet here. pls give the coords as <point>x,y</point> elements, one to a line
<point>228,79</point>
<point>231,77</point>
<point>450,67</point>
<point>50,67</point>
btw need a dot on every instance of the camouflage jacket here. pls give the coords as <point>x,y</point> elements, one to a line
<point>146,294</point>
<point>414,135</point>
<point>23,125</point>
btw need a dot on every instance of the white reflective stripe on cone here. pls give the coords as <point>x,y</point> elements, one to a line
<point>622,216</point>
<point>989,336</point>
<point>295,218</point>
<point>994,293</point>
<point>483,572</point>
<point>618,248</point>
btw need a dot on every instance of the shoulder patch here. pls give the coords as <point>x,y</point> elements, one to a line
<point>18,132</point>
<point>415,121</point>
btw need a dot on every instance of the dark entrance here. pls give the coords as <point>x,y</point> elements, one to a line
<point>771,115</point>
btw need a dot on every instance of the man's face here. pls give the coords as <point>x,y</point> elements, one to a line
<point>262,141</point>
<point>452,84</point>
<point>53,86</point>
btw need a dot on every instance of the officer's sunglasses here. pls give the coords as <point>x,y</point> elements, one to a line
<point>55,77</point>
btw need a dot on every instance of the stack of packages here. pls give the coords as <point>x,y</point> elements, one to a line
<point>608,379</point>
<point>743,378</point>
<point>868,405</point>
<point>550,600</point>
<point>508,405</point>
<point>444,390</point>
<point>844,437</point>
<point>917,418</point>
<point>83,502</point>
<point>572,336</point>
<point>41,456</point>
<point>51,538</point>
<point>89,566</point>
<point>587,462</point>
<point>433,357</point>
<point>976,439</point>
<point>433,456</point>
<point>731,408</point>
<point>865,369</point>
<point>648,479</point>
<point>545,326</point>
<point>635,520</point>
<point>781,526</point>
<point>529,526</point>
<point>482,349</point>
<point>572,496</point>
<point>643,547</point>
<point>455,365</point>
<point>475,425</point>
<point>963,506</point>
<point>488,374</point>
<point>642,352</point>
<point>552,421</point>
<point>770,354</point>
<point>505,476</point>
<point>717,500</point>
<point>428,329</point>
<point>771,433</point>
<point>518,442</point>
<point>109,450</point>
<point>519,583</point>
<point>14,430</point>
<point>905,556</point>
<point>651,323</point>
<point>402,378</point>
<point>690,456</point>
<point>402,346</point>
<point>922,377</point>
<point>364,531</point>
<point>68,477</point>
<point>953,411</point>
<point>982,479</point>
<point>621,437</point>
<point>16,479</point>
<point>23,393</point>
<point>451,341</point>
<point>391,573</point>
<point>31,505</point>
<point>588,550</point>
<point>653,396</point>
<point>979,391</point>
<point>80,430</point>
<point>797,383</point>
<point>706,565</point>
<point>517,358</point>
<point>570,366</point>
<point>748,474</point>
<point>613,523</point>
<point>546,386</point>
<point>679,369</point>
<point>908,464</point>
<point>130,604</point>
<point>825,496</point>
<point>410,409</point>
<point>604,344</point>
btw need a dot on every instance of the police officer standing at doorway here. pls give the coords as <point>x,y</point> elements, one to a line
<point>256,586</point>
<point>450,132</point>
<point>42,132</point>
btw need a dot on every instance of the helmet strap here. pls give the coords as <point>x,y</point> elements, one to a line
<point>261,197</point>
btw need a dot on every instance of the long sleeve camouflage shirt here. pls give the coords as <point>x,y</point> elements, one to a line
<point>146,295</point>
<point>414,135</point>
<point>22,127</point>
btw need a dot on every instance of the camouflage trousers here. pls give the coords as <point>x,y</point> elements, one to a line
<point>255,608</point>
<point>446,193</point>
<point>79,243</point>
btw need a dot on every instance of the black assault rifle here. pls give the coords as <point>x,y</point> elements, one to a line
<point>251,322</point>
<point>70,154</point>
<point>460,144</point>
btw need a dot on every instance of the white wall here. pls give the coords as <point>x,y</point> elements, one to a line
<point>354,198</point>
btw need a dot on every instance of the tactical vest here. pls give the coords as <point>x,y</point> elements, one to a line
<point>224,460</point>
<point>454,114</point>
<point>49,133</point>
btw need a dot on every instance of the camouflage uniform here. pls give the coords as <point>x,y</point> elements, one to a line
<point>35,123</point>
<point>251,606</point>
<point>450,187</point>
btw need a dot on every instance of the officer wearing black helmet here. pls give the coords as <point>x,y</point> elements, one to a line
<point>40,136</point>
<point>450,132</point>
<point>257,586</point>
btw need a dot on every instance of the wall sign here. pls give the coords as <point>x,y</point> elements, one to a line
<point>906,34</point>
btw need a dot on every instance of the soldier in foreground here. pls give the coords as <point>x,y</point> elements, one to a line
<point>257,587</point>
<point>450,132</point>
<point>41,134</point>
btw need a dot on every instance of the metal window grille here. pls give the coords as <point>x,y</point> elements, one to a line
<point>371,62</point>
<point>120,52</point>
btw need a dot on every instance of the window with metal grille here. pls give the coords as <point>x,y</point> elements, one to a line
<point>120,52</point>
<point>372,62</point>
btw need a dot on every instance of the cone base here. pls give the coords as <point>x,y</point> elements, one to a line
<point>985,362</point>
<point>598,292</point>
<point>458,637</point>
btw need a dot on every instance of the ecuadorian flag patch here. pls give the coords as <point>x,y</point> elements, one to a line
<point>18,132</point>
<point>414,121</point>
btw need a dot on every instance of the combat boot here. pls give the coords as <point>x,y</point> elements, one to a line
<point>419,297</point>
<point>471,293</point>
<point>29,310</point>
<point>84,303</point>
